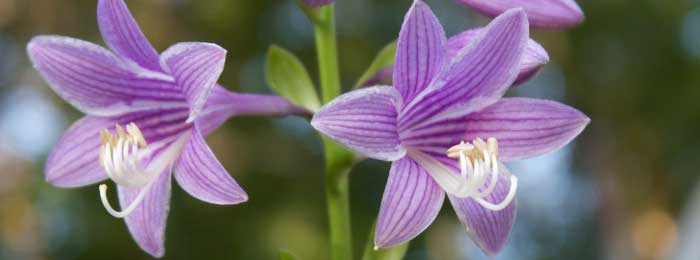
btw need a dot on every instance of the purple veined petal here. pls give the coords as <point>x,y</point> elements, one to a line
<point>477,77</point>
<point>96,82</point>
<point>196,67</point>
<point>317,3</point>
<point>200,174</point>
<point>123,35</point>
<point>541,13</point>
<point>534,55</point>
<point>382,76</point>
<point>420,51</point>
<point>524,128</point>
<point>487,228</point>
<point>410,203</point>
<point>74,160</point>
<point>364,120</point>
<point>223,104</point>
<point>147,222</point>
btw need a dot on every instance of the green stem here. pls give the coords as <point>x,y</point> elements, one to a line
<point>338,160</point>
<point>338,165</point>
<point>327,51</point>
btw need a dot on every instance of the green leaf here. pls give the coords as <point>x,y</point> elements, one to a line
<point>384,59</point>
<point>284,255</point>
<point>393,253</point>
<point>287,76</point>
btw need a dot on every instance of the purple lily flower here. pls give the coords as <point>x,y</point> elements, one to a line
<point>146,114</point>
<point>552,14</point>
<point>317,3</point>
<point>533,59</point>
<point>446,128</point>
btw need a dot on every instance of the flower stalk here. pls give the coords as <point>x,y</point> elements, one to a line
<point>338,160</point>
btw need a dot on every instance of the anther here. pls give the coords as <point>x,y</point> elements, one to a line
<point>478,162</point>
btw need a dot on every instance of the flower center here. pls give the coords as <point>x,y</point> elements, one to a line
<point>121,155</point>
<point>478,163</point>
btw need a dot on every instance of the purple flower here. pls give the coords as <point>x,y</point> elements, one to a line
<point>446,128</point>
<point>317,3</point>
<point>533,58</point>
<point>551,14</point>
<point>146,115</point>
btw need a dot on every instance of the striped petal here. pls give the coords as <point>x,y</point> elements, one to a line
<point>420,51</point>
<point>96,82</point>
<point>147,222</point>
<point>487,228</point>
<point>524,128</point>
<point>542,13</point>
<point>534,55</point>
<point>73,162</point>
<point>410,203</point>
<point>123,35</point>
<point>200,174</point>
<point>477,77</point>
<point>196,67</point>
<point>223,104</point>
<point>364,121</point>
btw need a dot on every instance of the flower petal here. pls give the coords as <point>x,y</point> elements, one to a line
<point>363,120</point>
<point>123,35</point>
<point>147,222</point>
<point>420,51</point>
<point>95,81</point>
<point>542,13</point>
<point>534,55</point>
<point>196,67</point>
<point>477,77</point>
<point>410,203</point>
<point>200,174</point>
<point>223,104</point>
<point>317,3</point>
<point>488,229</point>
<point>74,160</point>
<point>524,128</point>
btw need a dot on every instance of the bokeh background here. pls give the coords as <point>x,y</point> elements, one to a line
<point>627,188</point>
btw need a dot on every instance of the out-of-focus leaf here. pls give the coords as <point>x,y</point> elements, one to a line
<point>287,76</point>
<point>384,59</point>
<point>284,255</point>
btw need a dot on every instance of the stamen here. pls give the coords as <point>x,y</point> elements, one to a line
<point>129,209</point>
<point>120,157</point>
<point>476,161</point>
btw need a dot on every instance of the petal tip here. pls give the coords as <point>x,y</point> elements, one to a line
<point>154,251</point>
<point>385,242</point>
